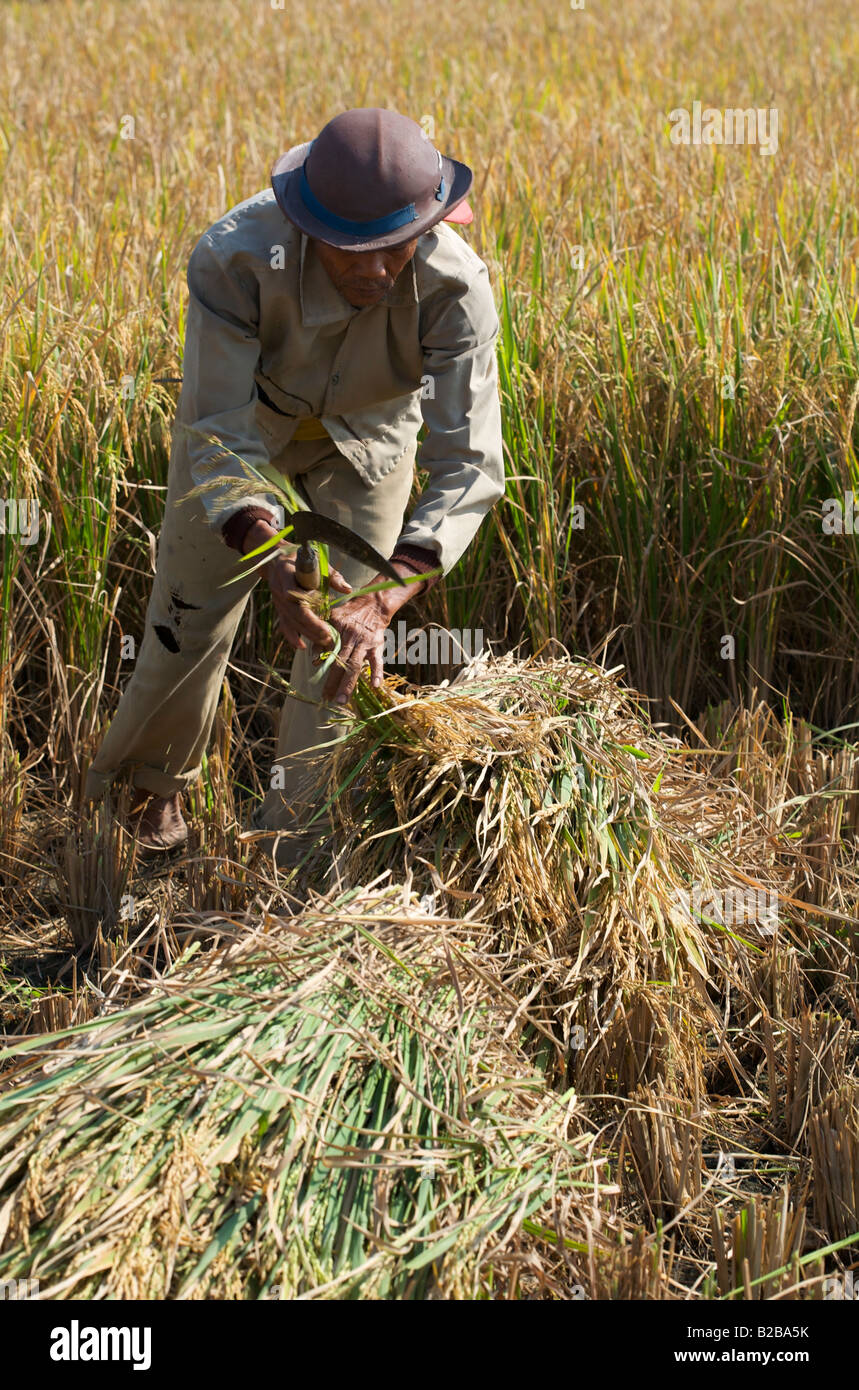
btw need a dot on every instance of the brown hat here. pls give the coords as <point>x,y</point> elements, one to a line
<point>370,180</point>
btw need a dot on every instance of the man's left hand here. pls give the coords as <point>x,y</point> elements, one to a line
<point>361,623</point>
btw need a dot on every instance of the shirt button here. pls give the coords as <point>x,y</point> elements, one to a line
<point>335,379</point>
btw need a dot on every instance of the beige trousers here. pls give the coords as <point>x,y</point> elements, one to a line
<point>164,719</point>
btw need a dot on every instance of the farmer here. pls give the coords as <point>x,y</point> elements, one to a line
<point>328,317</point>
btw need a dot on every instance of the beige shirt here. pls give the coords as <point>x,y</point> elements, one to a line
<point>263,311</point>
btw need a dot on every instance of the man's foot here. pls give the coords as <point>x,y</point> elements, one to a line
<point>161,826</point>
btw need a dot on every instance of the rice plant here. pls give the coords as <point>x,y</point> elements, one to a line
<point>328,1107</point>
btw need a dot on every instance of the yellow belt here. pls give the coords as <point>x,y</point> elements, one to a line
<point>310,428</point>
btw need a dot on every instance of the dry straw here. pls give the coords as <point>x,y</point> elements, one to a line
<point>372,1098</point>
<point>323,1106</point>
<point>537,795</point>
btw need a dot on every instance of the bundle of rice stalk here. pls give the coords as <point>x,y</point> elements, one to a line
<point>97,862</point>
<point>326,1106</point>
<point>760,1258</point>
<point>636,1265</point>
<point>815,1056</point>
<point>665,1148</point>
<point>12,784</point>
<point>538,795</point>
<point>834,1141</point>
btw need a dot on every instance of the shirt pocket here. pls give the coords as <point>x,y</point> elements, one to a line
<point>392,423</point>
<point>276,426</point>
<point>283,402</point>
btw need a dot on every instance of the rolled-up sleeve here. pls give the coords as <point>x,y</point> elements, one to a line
<point>218,402</point>
<point>463,451</point>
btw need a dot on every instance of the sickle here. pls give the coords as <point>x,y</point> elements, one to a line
<point>310,528</point>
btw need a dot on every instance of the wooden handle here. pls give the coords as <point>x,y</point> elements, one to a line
<point>307,573</point>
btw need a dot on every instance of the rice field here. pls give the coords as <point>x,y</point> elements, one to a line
<point>568,1004</point>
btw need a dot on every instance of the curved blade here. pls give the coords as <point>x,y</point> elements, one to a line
<point>313,526</point>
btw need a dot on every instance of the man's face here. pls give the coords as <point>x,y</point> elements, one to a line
<point>364,277</point>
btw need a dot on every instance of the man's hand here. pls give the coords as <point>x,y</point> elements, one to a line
<point>299,624</point>
<point>361,623</point>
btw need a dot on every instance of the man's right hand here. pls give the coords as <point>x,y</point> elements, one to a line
<point>299,624</point>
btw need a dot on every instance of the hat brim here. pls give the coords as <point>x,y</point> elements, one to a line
<point>286,184</point>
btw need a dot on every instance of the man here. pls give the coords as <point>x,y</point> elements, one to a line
<point>328,317</point>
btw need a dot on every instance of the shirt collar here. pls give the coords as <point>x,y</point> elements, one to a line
<point>322,303</point>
